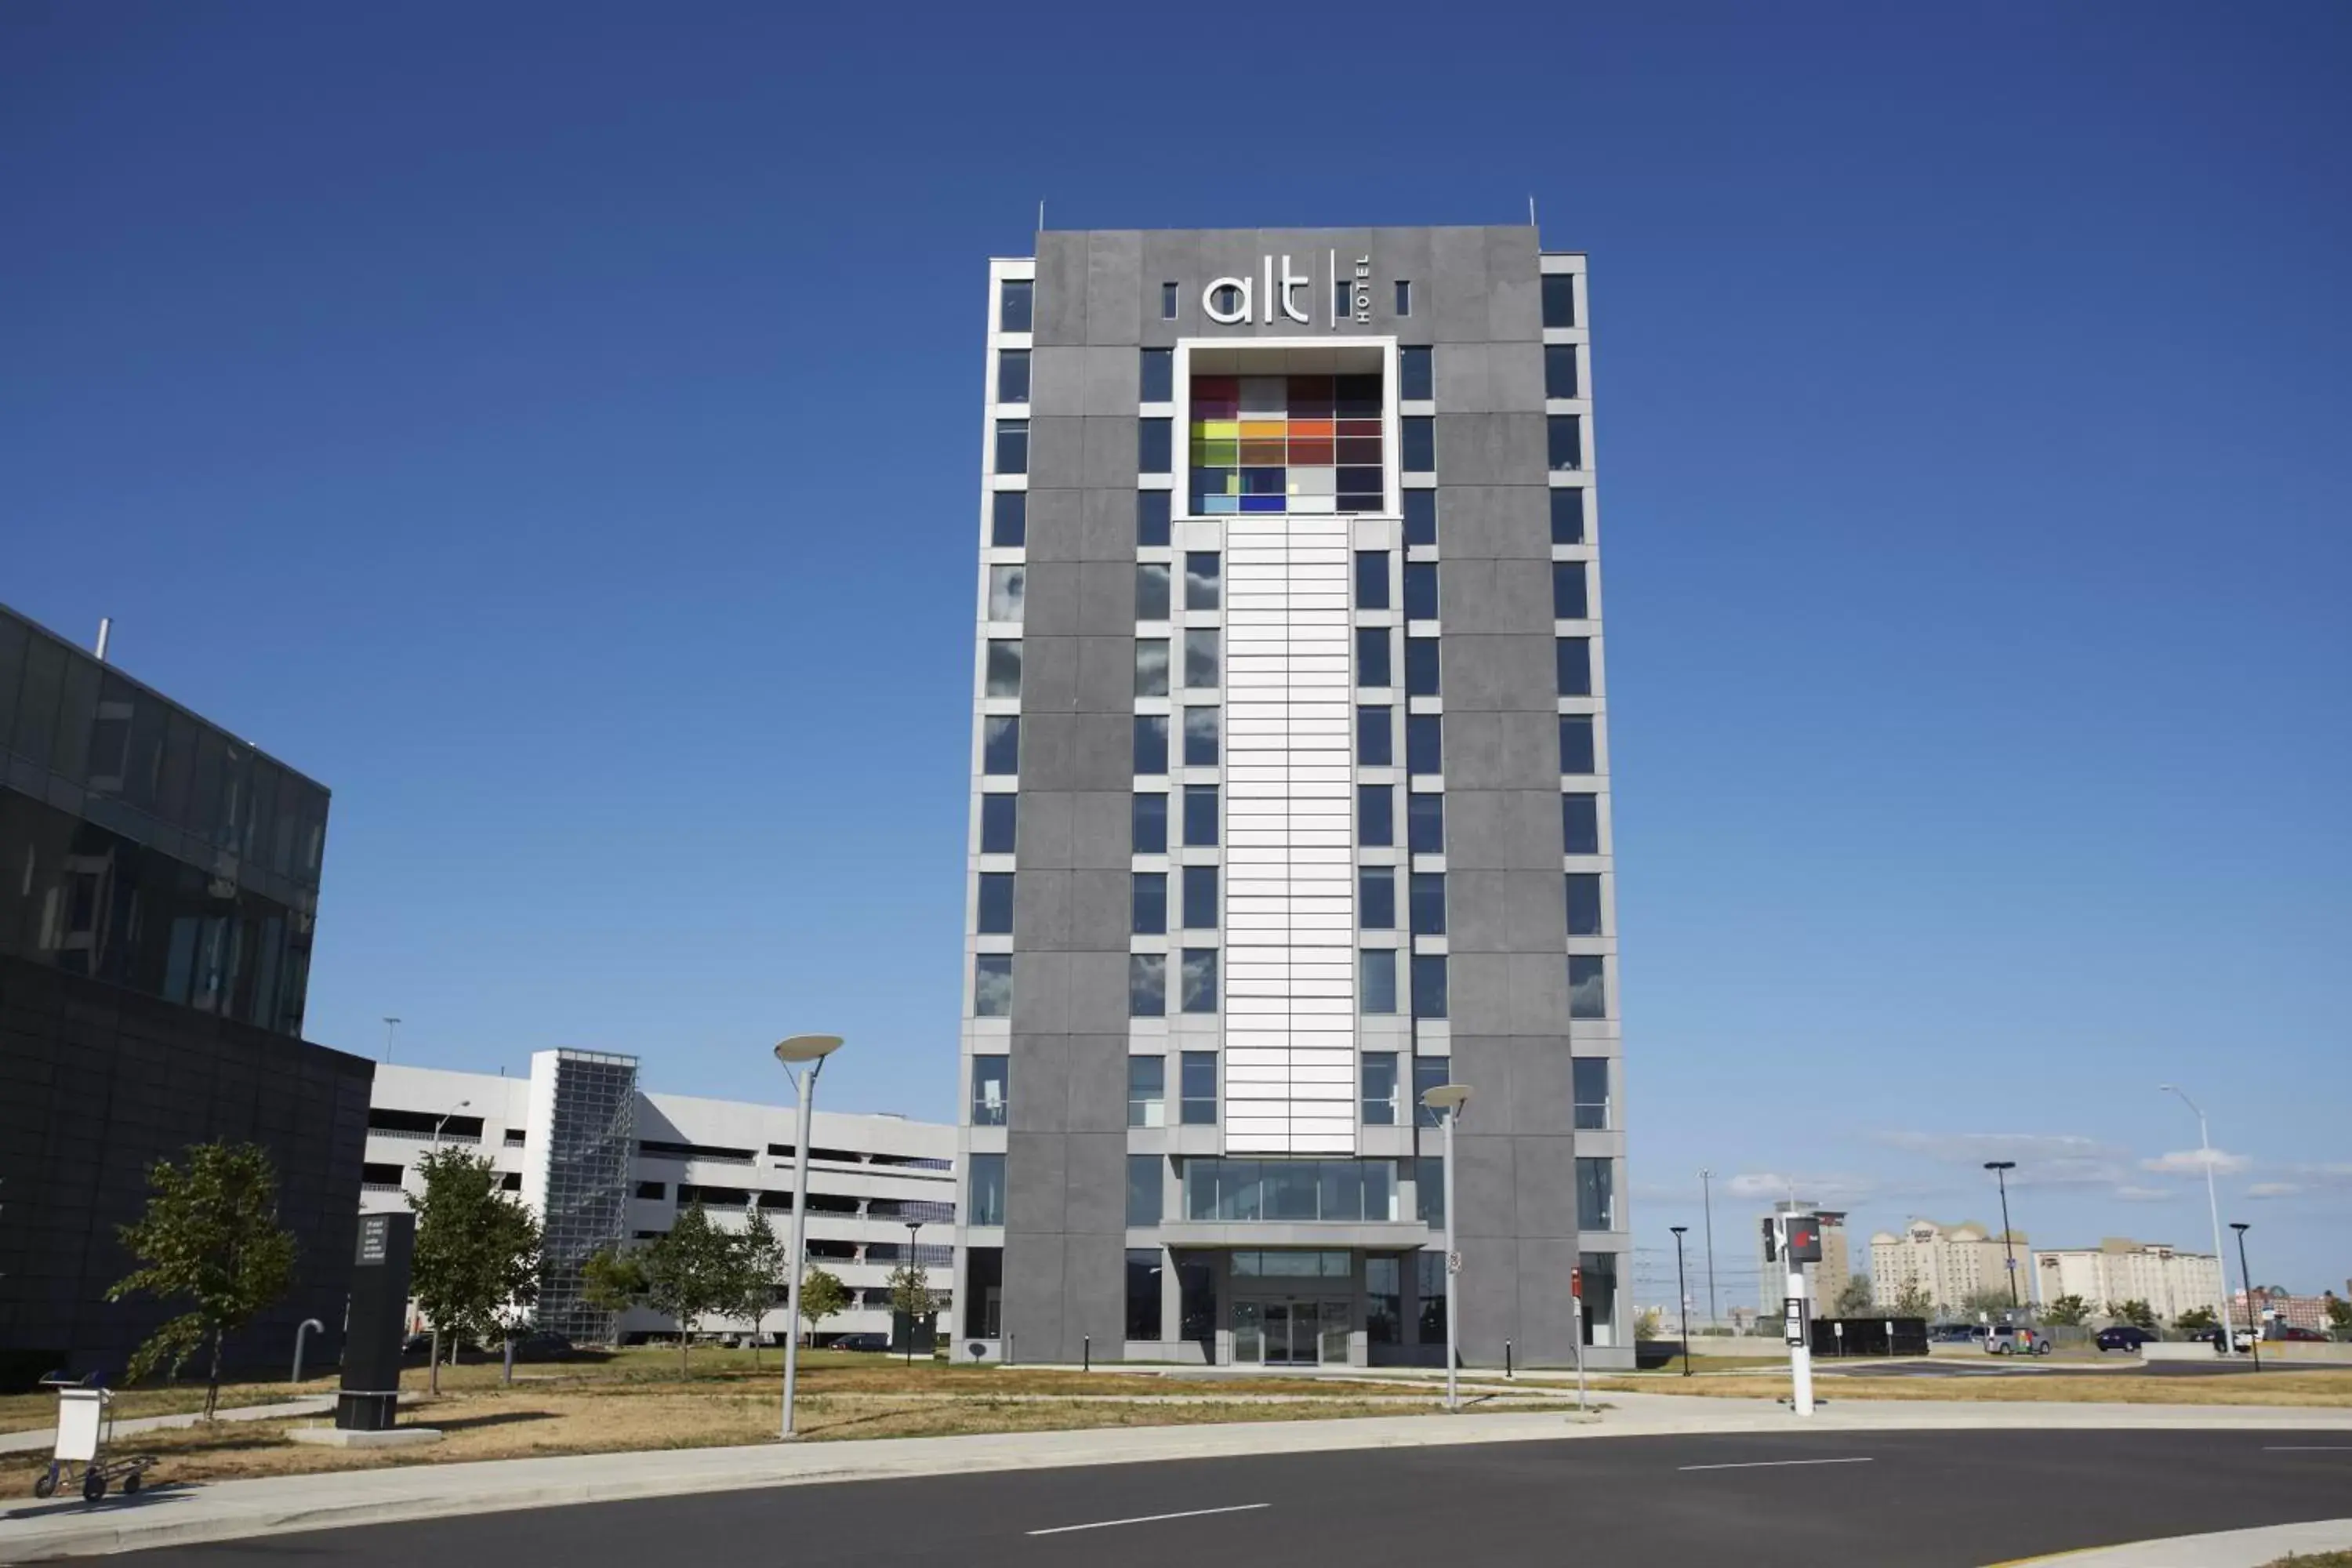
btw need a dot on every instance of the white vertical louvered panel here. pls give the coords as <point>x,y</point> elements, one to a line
<point>1289,861</point>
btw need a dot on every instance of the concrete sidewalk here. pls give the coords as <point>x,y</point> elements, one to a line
<point>42,1438</point>
<point>2226,1549</point>
<point>227,1510</point>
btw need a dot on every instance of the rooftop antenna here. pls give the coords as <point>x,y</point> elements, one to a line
<point>105,631</point>
<point>1041,215</point>
<point>1531,209</point>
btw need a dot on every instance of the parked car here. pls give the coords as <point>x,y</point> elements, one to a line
<point>2014,1338</point>
<point>2124,1337</point>
<point>1955,1333</point>
<point>2240,1339</point>
<point>2302,1335</point>
<point>543,1344</point>
<point>862,1343</point>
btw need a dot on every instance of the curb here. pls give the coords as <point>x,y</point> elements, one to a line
<point>2224,1548</point>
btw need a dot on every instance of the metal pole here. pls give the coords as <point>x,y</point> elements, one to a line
<point>1682,1291</point>
<point>389,1025</point>
<point>1453,1305</point>
<point>2001,1169</point>
<point>1800,1354</point>
<point>299,1335</point>
<point>912,1226</point>
<point>2253,1324</point>
<point>1577,1303</point>
<point>1707,1197</point>
<point>804,1087</point>
<point>2213,1203</point>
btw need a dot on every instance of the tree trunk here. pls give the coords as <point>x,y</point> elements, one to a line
<point>681,1349</point>
<point>212,1384</point>
<point>433,1362</point>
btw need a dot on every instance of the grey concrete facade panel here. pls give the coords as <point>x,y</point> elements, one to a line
<point>1049,677</point>
<point>1488,673</point>
<point>1476,596</point>
<point>1106,600</point>
<point>1107,525</point>
<point>1114,281</point>
<point>1057,452</point>
<point>1060,314</point>
<point>1041,997</point>
<point>1099,990</point>
<point>1491,448</point>
<point>1110,451</point>
<point>1041,910</point>
<point>1057,382</point>
<point>1043,833</point>
<point>1490,522</point>
<point>1458,279</point>
<point>1036,1180</point>
<point>1097,1085</point>
<point>1102,835</point>
<point>1501,830</point>
<point>1113,382</point>
<point>1096,1200</point>
<point>1054,531</point>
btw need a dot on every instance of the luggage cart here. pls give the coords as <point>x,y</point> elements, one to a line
<point>85,1430</point>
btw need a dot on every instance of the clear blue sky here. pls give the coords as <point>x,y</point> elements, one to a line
<point>556,428</point>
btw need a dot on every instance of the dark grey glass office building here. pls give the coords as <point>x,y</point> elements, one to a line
<point>1290,801</point>
<point>159,887</point>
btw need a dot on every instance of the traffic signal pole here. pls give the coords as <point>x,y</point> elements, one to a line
<point>1796,1240</point>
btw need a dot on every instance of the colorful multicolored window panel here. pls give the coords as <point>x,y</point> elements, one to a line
<point>1287,444</point>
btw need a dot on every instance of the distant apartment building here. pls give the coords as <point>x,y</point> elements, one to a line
<point>1827,1279</point>
<point>605,1164</point>
<point>1954,1264</point>
<point>2119,1270</point>
<point>2277,1309</point>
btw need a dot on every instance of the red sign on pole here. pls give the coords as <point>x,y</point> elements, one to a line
<point>1576,1283</point>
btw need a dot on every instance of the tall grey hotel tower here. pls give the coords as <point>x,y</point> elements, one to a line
<point>1290,801</point>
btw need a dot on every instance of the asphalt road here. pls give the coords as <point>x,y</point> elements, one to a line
<point>1903,1499</point>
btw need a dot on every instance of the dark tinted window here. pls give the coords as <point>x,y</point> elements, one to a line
<point>1152,591</point>
<point>1147,984</point>
<point>1000,744</point>
<point>1428,911</point>
<point>1013,305</point>
<point>1564,442</point>
<point>1413,373</point>
<point>1421,516</point>
<point>1377,972</point>
<point>1424,743</point>
<point>1372,656</point>
<point>1143,1208</point>
<point>1200,980</point>
<point>1588,994</point>
<point>1158,377</point>
<point>1371,580</point>
<point>999,814</point>
<point>1580,823</point>
<point>1009,521</point>
<point>1425,822</point>
<point>1202,584</point>
<point>1421,590</point>
<point>1568,597</point>
<point>1558,300</point>
<point>991,985</point>
<point>1143,1273</point>
<point>1429,986</point>
<point>1013,375</point>
<point>1012,445</point>
<point>1200,737</point>
<point>1576,750</point>
<point>1574,657</point>
<point>1148,834</point>
<point>1560,370</point>
<point>1376,898</point>
<point>1420,666</point>
<point>1568,517</point>
<point>1583,904</point>
<point>1375,815</point>
<point>1168,296</point>
<point>1199,898</point>
<point>1154,446</point>
<point>1003,670</point>
<point>1203,663</point>
<point>1151,518</point>
<point>1404,296</point>
<point>1375,745</point>
<point>996,903</point>
<point>1201,816</point>
<point>1150,743</point>
<point>1197,1088</point>
<point>1148,904</point>
<point>1417,451</point>
<point>1428,1073</point>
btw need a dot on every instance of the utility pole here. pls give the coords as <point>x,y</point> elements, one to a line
<point>2001,1170</point>
<point>1707,1198</point>
<point>2253,1323</point>
<point>389,1025</point>
<point>1681,1294</point>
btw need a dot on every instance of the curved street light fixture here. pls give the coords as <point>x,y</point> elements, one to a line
<point>807,1052</point>
<point>1447,1100</point>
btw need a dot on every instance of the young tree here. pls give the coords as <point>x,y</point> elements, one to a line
<point>612,1280</point>
<point>2196,1320</point>
<point>210,1236</point>
<point>1913,1301</point>
<point>911,1292</point>
<point>2067,1312</point>
<point>1853,1301</point>
<point>691,1273</point>
<point>1647,1324</point>
<point>2137,1313</point>
<point>759,1266</point>
<point>2339,1316</point>
<point>821,1296</point>
<point>1992,1301</point>
<point>477,1252</point>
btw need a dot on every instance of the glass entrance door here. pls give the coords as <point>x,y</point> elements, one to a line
<point>1295,1331</point>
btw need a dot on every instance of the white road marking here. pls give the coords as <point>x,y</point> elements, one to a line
<point>1775,1464</point>
<point>1152,1518</point>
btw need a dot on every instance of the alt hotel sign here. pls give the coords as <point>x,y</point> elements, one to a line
<point>1230,301</point>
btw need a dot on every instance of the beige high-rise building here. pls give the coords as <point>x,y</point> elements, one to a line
<point>1952,1263</point>
<point>2120,1269</point>
<point>1827,1279</point>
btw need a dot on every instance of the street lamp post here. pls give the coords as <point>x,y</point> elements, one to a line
<point>2213,1203</point>
<point>1682,1291</point>
<point>2001,1170</point>
<point>390,1024</point>
<point>912,1226</point>
<point>1706,1200</point>
<point>2253,1324</point>
<point>809,1051</point>
<point>445,1121</point>
<point>1447,1100</point>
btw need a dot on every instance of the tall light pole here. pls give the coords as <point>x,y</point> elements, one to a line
<point>1447,1100</point>
<point>445,1121</point>
<point>809,1051</point>
<point>2253,1324</point>
<point>1683,1291</point>
<point>912,1226</point>
<point>2213,1203</point>
<point>390,1024</point>
<point>1707,1197</point>
<point>2001,1170</point>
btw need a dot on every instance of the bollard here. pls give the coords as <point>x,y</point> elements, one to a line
<point>1507,1358</point>
<point>1008,1350</point>
<point>1087,1342</point>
